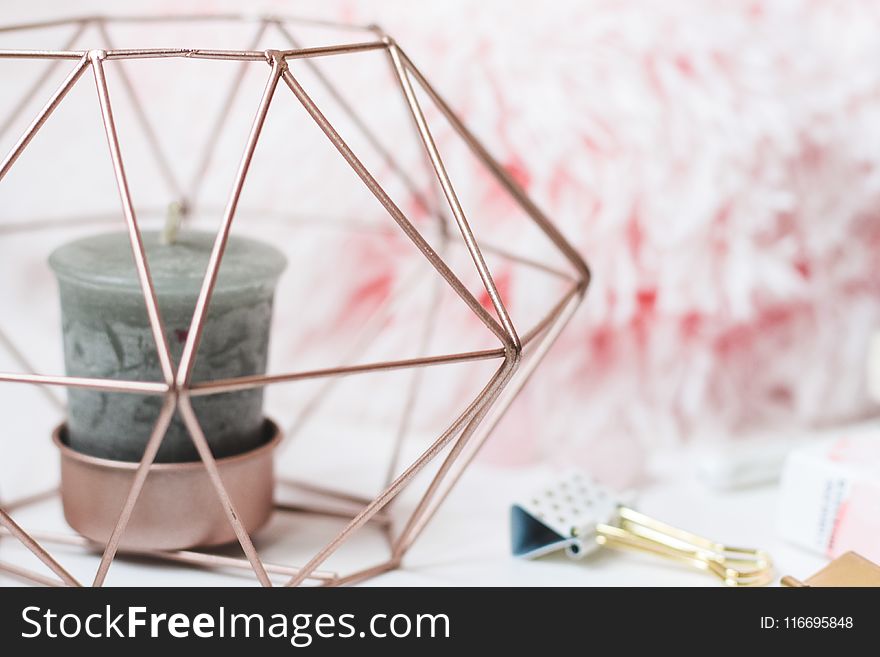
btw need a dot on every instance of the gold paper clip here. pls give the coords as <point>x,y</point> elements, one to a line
<point>733,565</point>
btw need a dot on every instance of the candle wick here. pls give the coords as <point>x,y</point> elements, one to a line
<point>172,223</point>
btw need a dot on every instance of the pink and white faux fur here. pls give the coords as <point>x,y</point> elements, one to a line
<point>718,163</point>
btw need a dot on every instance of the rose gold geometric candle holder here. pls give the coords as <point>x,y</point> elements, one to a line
<point>431,221</point>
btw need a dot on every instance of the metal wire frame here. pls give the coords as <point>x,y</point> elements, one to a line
<point>465,434</point>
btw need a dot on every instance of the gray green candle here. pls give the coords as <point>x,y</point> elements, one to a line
<point>107,335</point>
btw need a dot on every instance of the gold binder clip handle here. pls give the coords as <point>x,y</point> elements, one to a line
<point>734,566</point>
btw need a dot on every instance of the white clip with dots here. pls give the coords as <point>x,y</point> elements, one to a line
<point>562,515</point>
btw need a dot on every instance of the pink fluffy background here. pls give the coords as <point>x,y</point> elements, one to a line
<point>718,164</point>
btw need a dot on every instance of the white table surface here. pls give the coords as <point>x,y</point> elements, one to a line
<point>467,542</point>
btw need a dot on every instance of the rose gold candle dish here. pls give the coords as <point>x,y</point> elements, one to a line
<point>178,507</point>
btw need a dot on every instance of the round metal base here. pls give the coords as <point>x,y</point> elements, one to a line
<point>178,507</point>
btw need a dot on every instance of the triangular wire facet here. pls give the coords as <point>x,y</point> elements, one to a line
<point>185,366</point>
<point>466,421</point>
<point>33,228</point>
<point>391,207</point>
<point>184,165</point>
<point>500,173</point>
<point>248,222</point>
<point>452,198</point>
